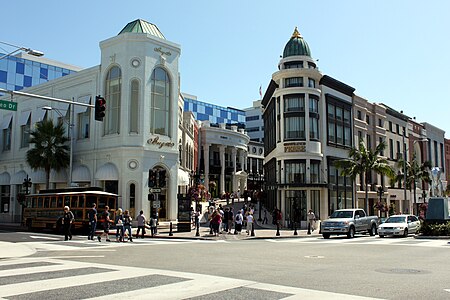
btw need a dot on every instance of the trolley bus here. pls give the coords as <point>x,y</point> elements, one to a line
<point>45,210</point>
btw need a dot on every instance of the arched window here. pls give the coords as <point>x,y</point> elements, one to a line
<point>113,88</point>
<point>134,106</point>
<point>160,111</point>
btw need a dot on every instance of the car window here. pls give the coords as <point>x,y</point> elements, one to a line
<point>361,213</point>
<point>396,220</point>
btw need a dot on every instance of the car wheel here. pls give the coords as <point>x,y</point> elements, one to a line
<point>373,230</point>
<point>405,233</point>
<point>381,235</point>
<point>351,232</point>
<point>326,235</point>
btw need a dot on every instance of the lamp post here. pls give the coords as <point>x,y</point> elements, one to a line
<point>20,48</point>
<point>71,125</point>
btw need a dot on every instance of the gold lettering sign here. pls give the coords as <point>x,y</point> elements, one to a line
<point>295,147</point>
<point>155,141</point>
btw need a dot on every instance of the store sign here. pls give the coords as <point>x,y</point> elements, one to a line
<point>155,141</point>
<point>8,105</point>
<point>295,147</point>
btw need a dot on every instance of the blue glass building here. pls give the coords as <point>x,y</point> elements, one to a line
<point>215,114</point>
<point>22,71</point>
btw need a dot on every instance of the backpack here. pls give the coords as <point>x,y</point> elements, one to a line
<point>238,217</point>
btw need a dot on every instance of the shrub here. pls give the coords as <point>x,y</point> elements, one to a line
<point>435,229</point>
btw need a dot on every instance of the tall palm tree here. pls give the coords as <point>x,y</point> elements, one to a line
<point>50,148</point>
<point>414,172</point>
<point>362,161</point>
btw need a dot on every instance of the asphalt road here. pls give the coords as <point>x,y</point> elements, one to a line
<point>399,268</point>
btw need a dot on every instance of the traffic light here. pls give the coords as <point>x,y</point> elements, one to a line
<point>151,178</point>
<point>100,107</point>
<point>151,197</point>
<point>162,178</point>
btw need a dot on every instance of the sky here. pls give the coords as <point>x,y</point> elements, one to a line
<point>392,52</point>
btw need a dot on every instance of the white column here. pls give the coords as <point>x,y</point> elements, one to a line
<point>233,156</point>
<point>206,163</point>
<point>222,168</point>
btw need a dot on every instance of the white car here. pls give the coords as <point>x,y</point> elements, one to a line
<point>399,225</point>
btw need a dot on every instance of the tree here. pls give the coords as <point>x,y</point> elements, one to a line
<point>50,148</point>
<point>362,161</point>
<point>414,172</point>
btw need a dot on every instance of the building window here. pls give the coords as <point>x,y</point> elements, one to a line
<point>313,128</point>
<point>251,118</point>
<point>339,123</point>
<point>360,138</point>
<point>293,82</point>
<point>399,151</point>
<point>294,127</point>
<point>294,102</point>
<point>314,171</point>
<point>340,189</point>
<point>293,65</point>
<point>390,126</point>
<point>368,119</point>
<point>134,106</point>
<point>380,140</point>
<point>311,83</point>
<point>397,128</point>
<point>84,124</point>
<point>113,91</point>
<point>359,115</point>
<point>313,104</point>
<point>391,149</point>
<point>4,198</point>
<point>295,172</point>
<point>7,132</point>
<point>25,133</point>
<point>369,142</point>
<point>160,109</point>
<point>380,123</point>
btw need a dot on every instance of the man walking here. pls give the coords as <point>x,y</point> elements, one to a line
<point>106,225</point>
<point>311,221</point>
<point>141,224</point>
<point>92,221</point>
<point>67,222</point>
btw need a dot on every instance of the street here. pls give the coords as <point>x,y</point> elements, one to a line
<point>161,268</point>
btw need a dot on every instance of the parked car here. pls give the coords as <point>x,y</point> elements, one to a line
<point>399,225</point>
<point>349,222</point>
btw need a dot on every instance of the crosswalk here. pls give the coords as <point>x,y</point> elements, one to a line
<point>52,278</point>
<point>410,241</point>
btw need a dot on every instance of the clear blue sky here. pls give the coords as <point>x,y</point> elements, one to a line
<point>395,52</point>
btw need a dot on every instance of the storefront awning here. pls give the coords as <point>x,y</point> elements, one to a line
<point>5,178</point>
<point>183,177</point>
<point>38,176</point>
<point>6,121</point>
<point>18,177</point>
<point>58,177</point>
<point>81,174</point>
<point>107,172</point>
<point>241,174</point>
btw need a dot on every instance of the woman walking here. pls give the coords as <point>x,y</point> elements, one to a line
<point>119,225</point>
<point>67,222</point>
<point>127,224</point>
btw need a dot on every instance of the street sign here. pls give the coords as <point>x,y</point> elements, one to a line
<point>156,204</point>
<point>154,190</point>
<point>8,105</point>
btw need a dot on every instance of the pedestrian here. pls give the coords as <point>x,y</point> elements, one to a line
<point>141,224</point>
<point>238,222</point>
<point>265,217</point>
<point>311,221</point>
<point>118,222</point>
<point>127,220</point>
<point>226,218</point>
<point>67,221</point>
<point>106,225</point>
<point>249,222</point>
<point>216,220</point>
<point>153,225</point>
<point>92,221</point>
<point>230,219</point>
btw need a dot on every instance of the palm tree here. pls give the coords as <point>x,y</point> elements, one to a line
<point>414,172</point>
<point>50,148</point>
<point>362,161</point>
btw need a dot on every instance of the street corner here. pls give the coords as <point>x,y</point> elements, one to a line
<point>12,250</point>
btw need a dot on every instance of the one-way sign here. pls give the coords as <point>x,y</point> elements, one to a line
<point>154,190</point>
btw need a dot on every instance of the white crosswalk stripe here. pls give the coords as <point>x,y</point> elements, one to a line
<point>173,285</point>
<point>409,242</point>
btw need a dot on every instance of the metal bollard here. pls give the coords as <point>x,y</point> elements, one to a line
<point>170,232</point>
<point>309,228</point>
<point>278,229</point>
<point>253,229</point>
<point>295,228</point>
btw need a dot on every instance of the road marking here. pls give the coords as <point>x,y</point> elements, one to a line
<point>44,237</point>
<point>193,284</point>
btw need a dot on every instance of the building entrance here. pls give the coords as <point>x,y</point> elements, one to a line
<point>296,207</point>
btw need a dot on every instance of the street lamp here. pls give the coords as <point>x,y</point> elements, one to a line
<point>71,125</point>
<point>19,48</point>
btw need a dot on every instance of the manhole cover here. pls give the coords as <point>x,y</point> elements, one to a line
<point>314,256</point>
<point>401,271</point>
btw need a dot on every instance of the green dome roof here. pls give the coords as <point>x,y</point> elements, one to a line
<point>296,46</point>
<point>142,26</point>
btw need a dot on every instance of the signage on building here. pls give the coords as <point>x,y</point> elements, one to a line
<point>155,141</point>
<point>156,204</point>
<point>295,147</point>
<point>8,105</point>
<point>154,190</point>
